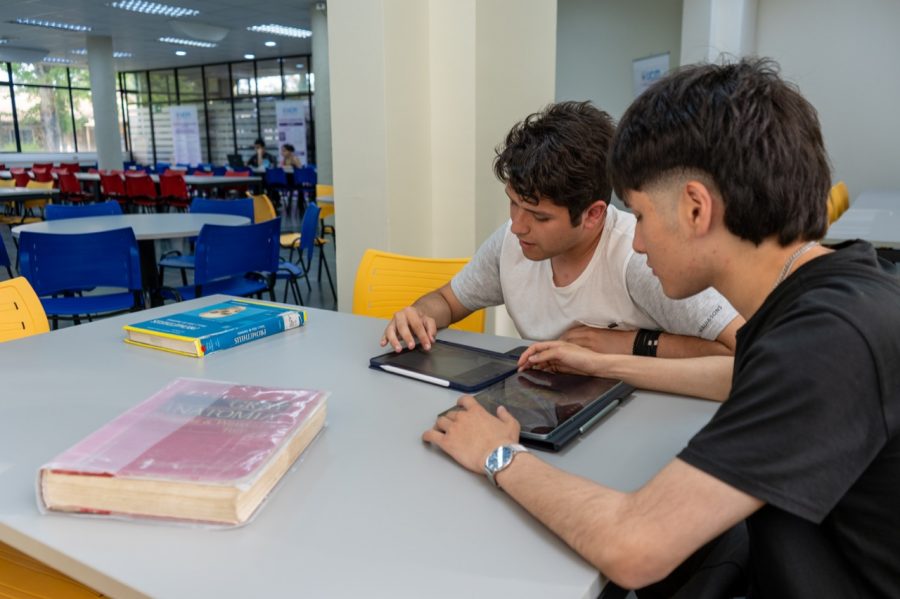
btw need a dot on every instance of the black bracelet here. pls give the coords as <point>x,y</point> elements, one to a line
<point>646,343</point>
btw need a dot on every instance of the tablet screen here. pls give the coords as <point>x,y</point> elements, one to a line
<point>542,401</point>
<point>456,363</point>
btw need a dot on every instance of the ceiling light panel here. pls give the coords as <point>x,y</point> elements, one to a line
<point>56,60</point>
<point>281,30</point>
<point>52,24</point>
<point>183,42</point>
<point>154,8</point>
<point>83,52</point>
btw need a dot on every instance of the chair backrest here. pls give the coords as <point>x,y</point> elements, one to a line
<point>43,175</point>
<point>219,171</point>
<point>309,230</point>
<point>7,182</point>
<point>139,185</point>
<point>54,263</point>
<point>68,182</point>
<point>199,173</point>
<point>238,207</point>
<point>326,209</point>
<point>21,178</point>
<point>838,201</point>
<point>112,183</point>
<point>62,211</point>
<point>4,257</point>
<point>237,173</point>
<point>21,312</point>
<point>72,167</point>
<point>172,185</point>
<point>275,176</point>
<point>224,251</point>
<point>324,191</point>
<point>38,185</point>
<point>305,176</point>
<point>42,165</point>
<point>386,283</point>
<point>263,209</point>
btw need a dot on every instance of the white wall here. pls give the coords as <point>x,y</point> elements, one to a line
<point>596,42</point>
<point>843,56</point>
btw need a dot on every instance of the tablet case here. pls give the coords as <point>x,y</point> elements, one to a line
<point>385,359</point>
<point>582,422</point>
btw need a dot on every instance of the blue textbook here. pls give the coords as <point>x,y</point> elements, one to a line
<point>219,326</point>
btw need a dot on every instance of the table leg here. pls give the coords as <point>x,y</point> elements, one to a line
<point>149,272</point>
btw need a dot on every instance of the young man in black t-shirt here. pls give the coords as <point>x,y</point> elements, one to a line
<point>726,172</point>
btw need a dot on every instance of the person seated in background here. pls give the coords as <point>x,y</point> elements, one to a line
<point>261,158</point>
<point>288,158</point>
<point>563,264</point>
<point>791,490</point>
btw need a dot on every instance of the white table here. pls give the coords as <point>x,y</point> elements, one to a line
<point>370,511</point>
<point>874,216</point>
<point>22,194</point>
<point>147,229</point>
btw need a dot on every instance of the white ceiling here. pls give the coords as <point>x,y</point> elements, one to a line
<point>139,33</point>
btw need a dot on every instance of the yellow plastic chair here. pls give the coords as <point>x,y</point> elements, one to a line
<point>838,201</point>
<point>326,209</point>
<point>263,209</point>
<point>324,191</point>
<point>9,206</point>
<point>23,577</point>
<point>30,205</point>
<point>386,283</point>
<point>21,312</point>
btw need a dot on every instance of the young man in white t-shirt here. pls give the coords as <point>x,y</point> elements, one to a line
<point>563,264</point>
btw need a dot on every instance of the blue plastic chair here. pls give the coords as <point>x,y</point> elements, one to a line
<point>306,245</point>
<point>61,211</point>
<point>185,262</point>
<point>161,167</point>
<point>4,259</point>
<point>57,264</point>
<point>234,260</point>
<point>305,179</point>
<point>219,171</point>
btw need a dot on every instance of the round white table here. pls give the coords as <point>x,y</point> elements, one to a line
<point>147,229</point>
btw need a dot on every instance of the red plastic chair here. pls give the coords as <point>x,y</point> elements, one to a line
<point>42,165</point>
<point>240,190</point>
<point>112,187</point>
<point>42,175</point>
<point>72,167</point>
<point>141,191</point>
<point>202,174</point>
<point>173,190</point>
<point>70,188</point>
<point>22,178</point>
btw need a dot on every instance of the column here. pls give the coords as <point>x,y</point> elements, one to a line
<point>422,93</point>
<point>322,96</point>
<point>711,28</point>
<point>103,98</point>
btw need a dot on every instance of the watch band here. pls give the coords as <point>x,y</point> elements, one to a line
<point>499,459</point>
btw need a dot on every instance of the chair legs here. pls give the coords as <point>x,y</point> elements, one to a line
<point>323,262</point>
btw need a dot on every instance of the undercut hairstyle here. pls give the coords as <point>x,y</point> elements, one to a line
<point>753,134</point>
<point>288,147</point>
<point>259,142</point>
<point>559,154</point>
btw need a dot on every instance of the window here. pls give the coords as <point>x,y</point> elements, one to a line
<point>44,118</point>
<point>7,124</point>
<point>84,120</point>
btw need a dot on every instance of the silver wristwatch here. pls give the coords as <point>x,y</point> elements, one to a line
<point>500,458</point>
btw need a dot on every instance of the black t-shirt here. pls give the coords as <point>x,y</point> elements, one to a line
<point>812,428</point>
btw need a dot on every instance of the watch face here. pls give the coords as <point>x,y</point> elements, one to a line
<point>500,458</point>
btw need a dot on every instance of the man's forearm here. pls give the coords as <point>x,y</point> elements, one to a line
<point>707,377</point>
<point>434,305</point>
<point>682,346</point>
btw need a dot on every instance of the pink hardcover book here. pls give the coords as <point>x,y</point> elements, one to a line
<point>197,450</point>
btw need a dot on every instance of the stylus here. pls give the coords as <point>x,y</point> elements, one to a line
<point>416,375</point>
<point>587,425</point>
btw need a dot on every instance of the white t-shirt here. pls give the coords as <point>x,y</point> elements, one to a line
<point>616,290</point>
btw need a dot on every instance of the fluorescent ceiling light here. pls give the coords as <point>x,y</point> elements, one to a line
<point>52,24</point>
<point>182,42</point>
<point>180,53</point>
<point>249,56</point>
<point>83,52</point>
<point>154,8</point>
<point>269,44</point>
<point>281,30</point>
<point>56,59</point>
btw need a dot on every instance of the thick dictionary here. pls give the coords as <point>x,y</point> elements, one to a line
<point>198,450</point>
<point>220,326</point>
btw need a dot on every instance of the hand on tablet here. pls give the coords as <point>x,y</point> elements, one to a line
<point>470,433</point>
<point>406,326</point>
<point>560,356</point>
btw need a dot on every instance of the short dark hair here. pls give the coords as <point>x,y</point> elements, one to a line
<point>288,147</point>
<point>259,142</point>
<point>560,154</point>
<point>751,132</point>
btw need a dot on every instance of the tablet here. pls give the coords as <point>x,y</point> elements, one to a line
<point>448,364</point>
<point>554,409</point>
